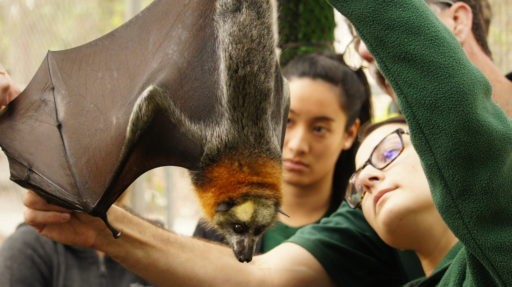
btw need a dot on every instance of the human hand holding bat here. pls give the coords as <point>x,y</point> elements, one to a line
<point>61,224</point>
<point>8,90</point>
<point>205,93</point>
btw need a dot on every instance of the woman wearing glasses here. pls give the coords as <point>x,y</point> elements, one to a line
<point>392,189</point>
<point>442,184</point>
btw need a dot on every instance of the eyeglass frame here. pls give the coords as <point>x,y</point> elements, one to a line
<point>399,132</point>
<point>351,55</point>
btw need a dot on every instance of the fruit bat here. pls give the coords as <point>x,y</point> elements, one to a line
<point>190,83</point>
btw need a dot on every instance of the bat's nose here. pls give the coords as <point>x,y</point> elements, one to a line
<point>244,257</point>
<point>244,247</point>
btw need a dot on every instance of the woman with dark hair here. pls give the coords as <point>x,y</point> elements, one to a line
<point>328,103</point>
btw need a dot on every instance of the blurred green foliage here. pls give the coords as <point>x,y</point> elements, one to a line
<point>305,26</point>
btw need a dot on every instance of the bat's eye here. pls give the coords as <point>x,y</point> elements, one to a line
<point>239,228</point>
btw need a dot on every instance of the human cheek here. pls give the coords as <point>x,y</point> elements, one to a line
<point>288,135</point>
<point>411,166</point>
<point>368,211</point>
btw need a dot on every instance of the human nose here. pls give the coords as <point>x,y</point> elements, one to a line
<point>296,140</point>
<point>368,177</point>
<point>364,52</point>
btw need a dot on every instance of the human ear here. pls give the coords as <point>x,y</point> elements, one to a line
<point>462,17</point>
<point>351,135</point>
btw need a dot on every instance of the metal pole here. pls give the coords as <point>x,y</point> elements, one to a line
<point>169,210</point>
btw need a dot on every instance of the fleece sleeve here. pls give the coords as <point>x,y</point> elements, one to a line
<point>464,140</point>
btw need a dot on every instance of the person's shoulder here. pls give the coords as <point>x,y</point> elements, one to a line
<point>344,222</point>
<point>346,216</point>
<point>23,237</point>
<point>25,244</point>
<point>25,232</point>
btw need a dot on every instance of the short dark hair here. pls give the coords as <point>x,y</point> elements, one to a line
<point>486,9</point>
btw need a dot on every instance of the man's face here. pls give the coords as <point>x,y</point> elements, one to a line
<point>374,70</point>
<point>442,12</point>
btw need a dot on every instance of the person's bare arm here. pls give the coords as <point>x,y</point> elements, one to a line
<point>8,90</point>
<point>168,259</point>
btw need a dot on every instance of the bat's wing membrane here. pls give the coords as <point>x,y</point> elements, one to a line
<point>66,134</point>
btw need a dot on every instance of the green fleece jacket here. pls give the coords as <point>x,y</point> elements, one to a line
<point>463,138</point>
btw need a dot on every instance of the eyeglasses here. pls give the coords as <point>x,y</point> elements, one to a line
<point>384,153</point>
<point>351,55</point>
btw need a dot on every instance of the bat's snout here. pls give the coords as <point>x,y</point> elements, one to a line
<point>243,246</point>
<point>243,224</point>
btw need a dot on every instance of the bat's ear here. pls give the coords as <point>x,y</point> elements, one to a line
<point>224,206</point>
<point>282,212</point>
<point>278,208</point>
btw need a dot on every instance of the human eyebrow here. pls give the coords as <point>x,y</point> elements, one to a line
<point>322,119</point>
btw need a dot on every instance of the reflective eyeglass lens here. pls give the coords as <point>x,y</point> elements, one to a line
<point>354,195</point>
<point>351,55</point>
<point>387,151</point>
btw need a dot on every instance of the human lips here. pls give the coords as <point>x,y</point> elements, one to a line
<point>294,165</point>
<point>379,194</point>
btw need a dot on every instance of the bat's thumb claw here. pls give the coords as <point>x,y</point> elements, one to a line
<point>116,233</point>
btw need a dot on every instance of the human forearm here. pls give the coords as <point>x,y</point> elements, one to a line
<point>168,259</point>
<point>161,257</point>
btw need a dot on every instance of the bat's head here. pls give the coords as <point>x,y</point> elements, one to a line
<point>243,221</point>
